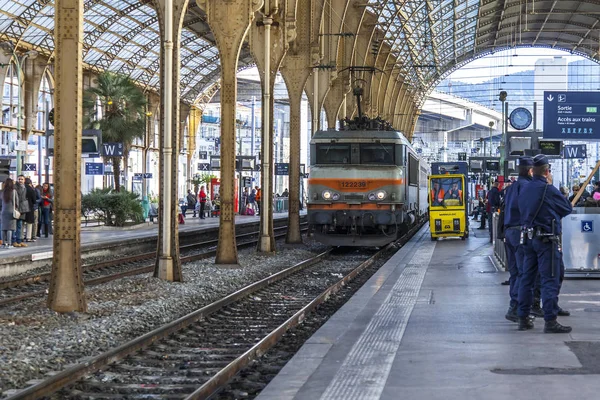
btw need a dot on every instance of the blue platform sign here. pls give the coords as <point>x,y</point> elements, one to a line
<point>574,151</point>
<point>572,115</point>
<point>587,226</point>
<point>94,168</point>
<point>282,168</point>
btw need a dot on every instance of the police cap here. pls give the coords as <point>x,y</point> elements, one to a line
<point>540,160</point>
<point>525,162</point>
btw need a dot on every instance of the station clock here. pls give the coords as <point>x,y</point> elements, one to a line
<point>520,118</point>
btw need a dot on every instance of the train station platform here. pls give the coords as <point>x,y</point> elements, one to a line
<point>430,325</point>
<point>96,237</point>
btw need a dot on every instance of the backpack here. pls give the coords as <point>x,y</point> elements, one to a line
<point>250,211</point>
<point>501,231</point>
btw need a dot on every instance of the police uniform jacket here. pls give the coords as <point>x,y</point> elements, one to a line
<point>555,206</point>
<point>494,199</point>
<point>512,216</point>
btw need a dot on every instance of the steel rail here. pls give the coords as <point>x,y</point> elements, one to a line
<point>212,386</point>
<point>73,374</point>
<point>140,270</point>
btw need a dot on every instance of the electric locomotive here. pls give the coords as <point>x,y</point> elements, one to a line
<point>367,185</point>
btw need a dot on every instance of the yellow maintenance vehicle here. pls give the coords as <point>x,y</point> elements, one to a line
<point>448,199</point>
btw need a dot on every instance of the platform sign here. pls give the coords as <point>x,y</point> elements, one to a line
<point>94,168</point>
<point>112,149</point>
<point>148,175</point>
<point>572,115</point>
<point>138,176</point>
<point>30,167</point>
<point>205,167</point>
<point>282,168</point>
<point>574,151</point>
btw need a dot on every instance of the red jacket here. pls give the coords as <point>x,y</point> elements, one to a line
<point>202,196</point>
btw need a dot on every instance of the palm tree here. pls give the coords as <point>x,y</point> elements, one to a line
<point>117,107</point>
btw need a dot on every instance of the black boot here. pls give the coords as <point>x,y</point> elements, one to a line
<point>563,313</point>
<point>555,327</point>
<point>525,323</point>
<point>536,309</point>
<point>511,314</point>
<point>46,228</point>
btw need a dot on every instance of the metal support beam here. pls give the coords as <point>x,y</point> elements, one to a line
<point>296,69</point>
<point>268,46</point>
<point>229,21</point>
<point>66,291</point>
<point>168,265</point>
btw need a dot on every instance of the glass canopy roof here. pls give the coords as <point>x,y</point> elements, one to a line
<point>120,36</point>
<point>431,38</point>
<point>428,38</point>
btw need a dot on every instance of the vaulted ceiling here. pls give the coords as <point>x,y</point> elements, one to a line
<point>428,38</point>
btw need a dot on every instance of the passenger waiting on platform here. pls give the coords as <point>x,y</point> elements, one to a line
<point>583,196</point>
<point>252,200</point>
<point>9,222</point>
<point>258,197</point>
<point>285,193</point>
<point>202,200</point>
<point>564,191</point>
<point>47,200</point>
<point>23,208</point>
<point>38,223</point>
<point>30,215</point>
<point>191,201</point>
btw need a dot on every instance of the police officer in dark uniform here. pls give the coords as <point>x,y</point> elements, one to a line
<point>542,209</point>
<point>512,234</point>
<point>493,204</point>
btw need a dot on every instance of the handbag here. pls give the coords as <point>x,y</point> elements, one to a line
<point>16,213</point>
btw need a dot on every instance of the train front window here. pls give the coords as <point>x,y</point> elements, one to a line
<point>377,153</point>
<point>446,192</point>
<point>333,154</point>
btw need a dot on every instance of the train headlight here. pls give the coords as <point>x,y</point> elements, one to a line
<point>327,195</point>
<point>381,195</point>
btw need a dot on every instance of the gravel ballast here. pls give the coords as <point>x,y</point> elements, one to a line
<point>36,341</point>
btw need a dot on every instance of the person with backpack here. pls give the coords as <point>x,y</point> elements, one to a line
<point>191,201</point>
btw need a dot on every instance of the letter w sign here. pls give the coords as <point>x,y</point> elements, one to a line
<point>575,151</point>
<point>112,149</point>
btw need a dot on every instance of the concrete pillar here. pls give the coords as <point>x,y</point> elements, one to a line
<point>66,292</point>
<point>170,13</point>
<point>274,47</point>
<point>229,22</point>
<point>296,69</point>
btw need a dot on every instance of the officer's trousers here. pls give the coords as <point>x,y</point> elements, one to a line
<point>514,261</point>
<point>538,253</point>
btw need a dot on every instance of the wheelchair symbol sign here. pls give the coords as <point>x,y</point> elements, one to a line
<point>587,226</point>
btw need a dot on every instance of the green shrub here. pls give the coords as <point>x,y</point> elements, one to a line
<point>113,208</point>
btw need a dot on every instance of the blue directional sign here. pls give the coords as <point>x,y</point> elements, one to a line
<point>572,115</point>
<point>574,151</point>
<point>29,167</point>
<point>138,176</point>
<point>94,168</point>
<point>148,175</point>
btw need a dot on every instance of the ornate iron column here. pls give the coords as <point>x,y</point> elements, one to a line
<point>66,291</point>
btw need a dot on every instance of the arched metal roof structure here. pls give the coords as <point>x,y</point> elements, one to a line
<point>434,37</point>
<point>428,38</point>
<point>120,36</point>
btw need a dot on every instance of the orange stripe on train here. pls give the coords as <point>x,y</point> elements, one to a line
<point>345,206</point>
<point>354,185</point>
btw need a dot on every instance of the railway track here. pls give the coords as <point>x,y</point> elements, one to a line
<point>196,355</point>
<point>16,290</point>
